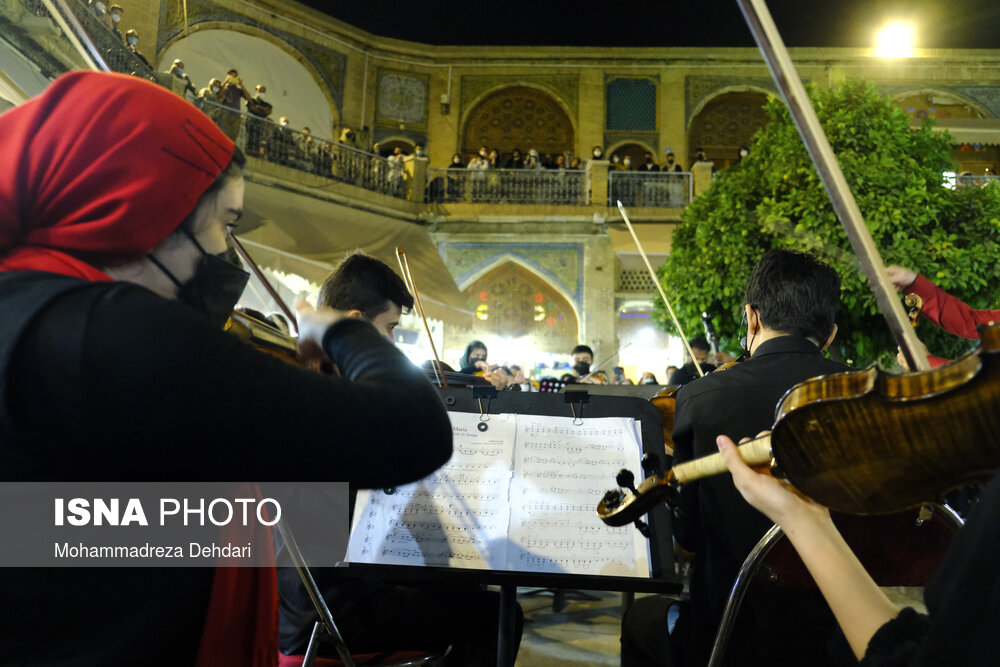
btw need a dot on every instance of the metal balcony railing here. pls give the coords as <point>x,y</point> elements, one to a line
<point>116,54</point>
<point>650,188</point>
<point>507,186</point>
<point>266,140</point>
<point>975,180</point>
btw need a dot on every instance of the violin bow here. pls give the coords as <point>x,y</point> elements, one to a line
<point>404,267</point>
<point>663,295</point>
<point>779,62</point>
<point>252,265</point>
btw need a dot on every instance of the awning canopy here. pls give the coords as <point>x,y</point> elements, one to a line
<point>968,130</point>
<point>296,233</point>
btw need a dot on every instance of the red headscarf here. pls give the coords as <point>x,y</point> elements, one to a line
<point>102,164</point>
<point>109,165</point>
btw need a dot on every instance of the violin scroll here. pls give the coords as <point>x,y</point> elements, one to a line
<point>618,508</point>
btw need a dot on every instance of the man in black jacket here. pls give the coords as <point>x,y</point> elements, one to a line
<point>791,301</point>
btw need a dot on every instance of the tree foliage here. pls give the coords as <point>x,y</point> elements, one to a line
<point>774,198</point>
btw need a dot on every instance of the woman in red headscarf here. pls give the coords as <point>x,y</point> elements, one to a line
<point>114,201</point>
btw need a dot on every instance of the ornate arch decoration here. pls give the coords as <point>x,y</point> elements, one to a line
<point>726,121</point>
<point>332,101</point>
<point>972,109</point>
<point>482,269</point>
<point>520,115</point>
<point>512,300</point>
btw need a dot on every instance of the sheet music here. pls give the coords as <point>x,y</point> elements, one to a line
<point>456,517</point>
<point>561,469</point>
<point>519,496</point>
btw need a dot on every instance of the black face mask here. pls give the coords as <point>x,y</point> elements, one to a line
<point>581,368</point>
<point>214,288</point>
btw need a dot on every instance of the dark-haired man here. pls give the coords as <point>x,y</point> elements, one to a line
<point>583,359</point>
<point>700,348</point>
<point>372,616</point>
<point>367,288</point>
<point>790,304</point>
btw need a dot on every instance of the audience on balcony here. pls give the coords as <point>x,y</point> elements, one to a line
<point>671,164</point>
<point>515,161</point>
<point>418,150</point>
<point>257,127</point>
<point>699,156</point>
<point>597,153</point>
<point>116,17</point>
<point>456,162</point>
<point>177,69</point>
<point>132,39</point>
<point>648,164</point>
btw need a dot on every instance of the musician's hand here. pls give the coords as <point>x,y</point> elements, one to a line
<point>497,377</point>
<point>775,498</point>
<point>900,276</point>
<point>313,324</point>
<point>901,358</point>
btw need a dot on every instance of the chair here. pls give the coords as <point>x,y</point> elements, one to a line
<point>896,549</point>
<point>325,629</point>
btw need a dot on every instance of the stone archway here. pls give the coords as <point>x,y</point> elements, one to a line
<point>936,104</point>
<point>518,117</point>
<point>513,302</point>
<point>634,150</point>
<point>725,123</point>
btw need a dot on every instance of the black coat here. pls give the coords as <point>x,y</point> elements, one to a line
<point>715,522</point>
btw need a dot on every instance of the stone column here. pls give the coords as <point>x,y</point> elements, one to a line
<point>701,172</point>
<point>597,181</point>
<point>416,177</point>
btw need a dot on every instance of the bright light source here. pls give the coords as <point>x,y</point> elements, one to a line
<point>647,335</point>
<point>896,40</point>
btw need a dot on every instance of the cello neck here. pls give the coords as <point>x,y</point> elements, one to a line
<point>756,453</point>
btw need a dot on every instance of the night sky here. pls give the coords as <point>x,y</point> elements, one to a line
<point>939,23</point>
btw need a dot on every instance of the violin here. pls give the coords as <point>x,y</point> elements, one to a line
<point>450,376</point>
<point>264,336</point>
<point>864,442</point>
<point>666,402</point>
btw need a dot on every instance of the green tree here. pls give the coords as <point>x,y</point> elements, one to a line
<point>774,198</point>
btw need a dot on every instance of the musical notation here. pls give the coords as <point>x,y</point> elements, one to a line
<point>519,496</point>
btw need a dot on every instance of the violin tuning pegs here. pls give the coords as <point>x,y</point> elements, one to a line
<point>626,480</point>
<point>643,528</point>
<point>612,499</point>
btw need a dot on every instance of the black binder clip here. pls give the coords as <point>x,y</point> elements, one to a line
<point>573,398</point>
<point>479,393</point>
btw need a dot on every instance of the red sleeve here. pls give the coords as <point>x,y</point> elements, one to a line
<point>949,313</point>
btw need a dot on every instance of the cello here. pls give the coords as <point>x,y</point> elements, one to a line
<point>863,442</point>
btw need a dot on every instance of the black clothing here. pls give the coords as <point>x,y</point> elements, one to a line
<point>374,617</point>
<point>108,381</point>
<point>963,602</point>
<point>715,521</point>
<point>687,372</point>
